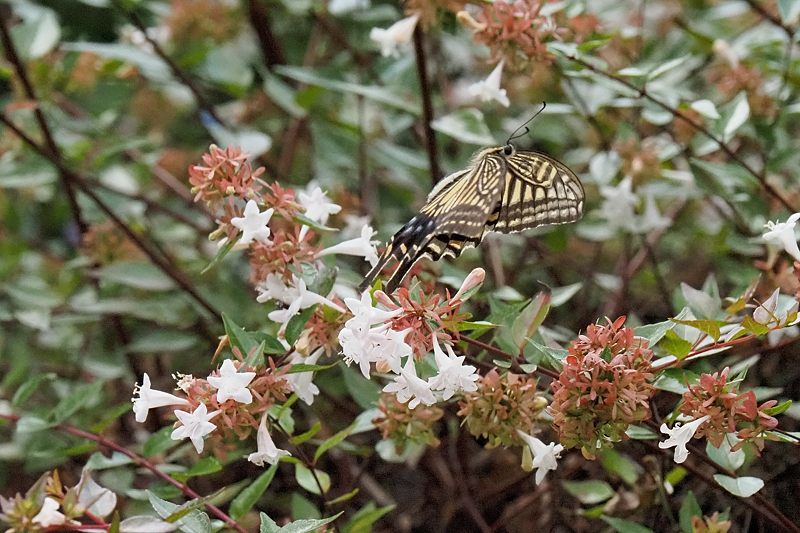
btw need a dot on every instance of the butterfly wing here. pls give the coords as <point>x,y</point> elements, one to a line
<point>453,218</point>
<point>538,190</point>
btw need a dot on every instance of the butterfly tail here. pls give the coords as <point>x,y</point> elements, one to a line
<point>379,266</point>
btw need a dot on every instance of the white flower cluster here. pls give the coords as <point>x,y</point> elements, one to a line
<point>196,425</point>
<point>369,338</point>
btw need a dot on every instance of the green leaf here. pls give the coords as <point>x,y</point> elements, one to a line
<point>545,356</point>
<point>162,340</point>
<point>203,467</point>
<point>296,324</point>
<point>98,461</point>
<point>301,507</point>
<point>298,368</point>
<point>145,276</point>
<point>465,125</point>
<point>709,327</point>
<point>625,526</point>
<point>29,387</point>
<point>778,409</point>
<point>158,442</point>
<point>379,94</point>
<point>38,33</point>
<point>330,442</point>
<point>589,492</point>
<point>364,519</point>
<point>641,433</point>
<point>221,253</point>
<point>239,338</point>
<point>282,95</point>
<point>675,345</point>
<point>364,391</point>
<point>561,295</point>
<point>148,64</point>
<point>271,345</point>
<point>740,486</point>
<point>529,320</point>
<point>724,456</point>
<point>753,327</point>
<point>305,478</point>
<point>620,465</point>
<point>83,396</point>
<point>676,475</point>
<point>736,117</point>
<point>307,435</point>
<point>245,500</point>
<point>478,326</point>
<point>306,525</point>
<point>675,380</point>
<point>689,509</point>
<point>193,521</point>
<point>655,332</point>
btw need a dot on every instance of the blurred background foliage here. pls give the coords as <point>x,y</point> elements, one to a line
<point>133,91</point>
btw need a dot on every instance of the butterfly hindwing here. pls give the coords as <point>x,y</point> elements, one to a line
<point>538,190</point>
<point>454,217</point>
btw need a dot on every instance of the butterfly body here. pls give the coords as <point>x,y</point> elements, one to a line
<point>501,190</point>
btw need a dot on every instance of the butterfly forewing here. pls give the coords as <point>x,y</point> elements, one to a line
<point>538,190</point>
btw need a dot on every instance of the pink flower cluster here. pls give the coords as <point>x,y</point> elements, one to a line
<point>728,411</point>
<point>603,388</point>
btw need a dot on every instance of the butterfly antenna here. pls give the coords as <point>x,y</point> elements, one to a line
<point>515,135</point>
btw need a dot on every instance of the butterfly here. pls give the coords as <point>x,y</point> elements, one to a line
<point>501,190</point>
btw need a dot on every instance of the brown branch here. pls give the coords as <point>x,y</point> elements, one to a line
<point>761,10</point>
<point>164,264</point>
<point>14,59</point>
<point>270,46</point>
<point>427,105</point>
<point>677,113</point>
<point>513,359</point>
<point>140,461</point>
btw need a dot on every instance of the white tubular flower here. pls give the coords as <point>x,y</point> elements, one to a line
<point>232,384</point>
<point>407,386</point>
<point>679,436</point>
<point>253,224</point>
<point>489,89</point>
<point>362,246</point>
<point>390,39</point>
<point>194,426</point>
<point>454,376</point>
<point>318,206</point>
<point>783,233</point>
<point>544,455</point>
<point>149,399</point>
<point>49,515</point>
<point>273,288</point>
<point>297,298</point>
<point>301,382</point>
<point>266,451</point>
<point>362,310</point>
<point>770,313</point>
<point>356,344</point>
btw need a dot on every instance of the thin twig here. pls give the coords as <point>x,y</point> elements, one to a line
<point>761,10</point>
<point>427,105</point>
<point>270,46</point>
<point>677,113</point>
<point>140,461</point>
<point>202,101</point>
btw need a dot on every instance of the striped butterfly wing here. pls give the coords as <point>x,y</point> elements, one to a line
<point>453,218</point>
<point>538,190</point>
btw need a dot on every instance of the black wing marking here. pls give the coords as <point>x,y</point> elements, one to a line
<point>454,217</point>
